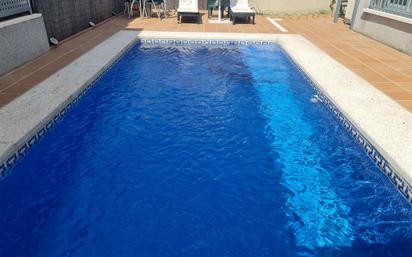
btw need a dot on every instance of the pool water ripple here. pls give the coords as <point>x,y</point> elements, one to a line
<point>197,151</point>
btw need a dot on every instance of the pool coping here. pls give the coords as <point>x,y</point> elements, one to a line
<point>378,123</point>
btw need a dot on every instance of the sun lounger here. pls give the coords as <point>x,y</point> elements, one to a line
<point>239,9</point>
<point>187,8</point>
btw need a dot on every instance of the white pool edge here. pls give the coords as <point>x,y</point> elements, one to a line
<point>384,123</point>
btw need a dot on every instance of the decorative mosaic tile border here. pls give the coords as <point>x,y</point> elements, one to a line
<point>7,165</point>
<point>400,183</point>
<point>211,42</point>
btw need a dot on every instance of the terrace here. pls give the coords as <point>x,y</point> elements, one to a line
<point>387,69</point>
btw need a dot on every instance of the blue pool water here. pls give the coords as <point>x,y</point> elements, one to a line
<point>180,151</point>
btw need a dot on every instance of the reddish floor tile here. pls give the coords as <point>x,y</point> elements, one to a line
<point>6,98</point>
<point>17,89</point>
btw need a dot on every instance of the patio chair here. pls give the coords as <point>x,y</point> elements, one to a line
<point>158,6</point>
<point>132,4</point>
<point>145,7</point>
<point>214,4</point>
<point>241,9</point>
<point>127,4</point>
<point>187,8</point>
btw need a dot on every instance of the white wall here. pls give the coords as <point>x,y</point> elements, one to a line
<point>290,6</point>
<point>21,39</point>
<point>391,32</point>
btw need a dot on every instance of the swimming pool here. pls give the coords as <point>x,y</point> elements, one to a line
<point>201,151</point>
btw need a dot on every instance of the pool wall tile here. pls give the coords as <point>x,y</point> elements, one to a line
<point>400,183</point>
<point>212,42</point>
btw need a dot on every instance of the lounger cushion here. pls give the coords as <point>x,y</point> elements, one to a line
<point>242,10</point>
<point>240,6</point>
<point>188,6</point>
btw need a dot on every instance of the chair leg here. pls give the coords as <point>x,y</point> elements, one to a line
<point>157,10</point>
<point>126,7</point>
<point>164,10</point>
<point>143,9</point>
<point>131,9</point>
<point>145,13</point>
<point>223,11</point>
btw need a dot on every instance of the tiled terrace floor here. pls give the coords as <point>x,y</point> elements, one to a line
<point>387,69</point>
